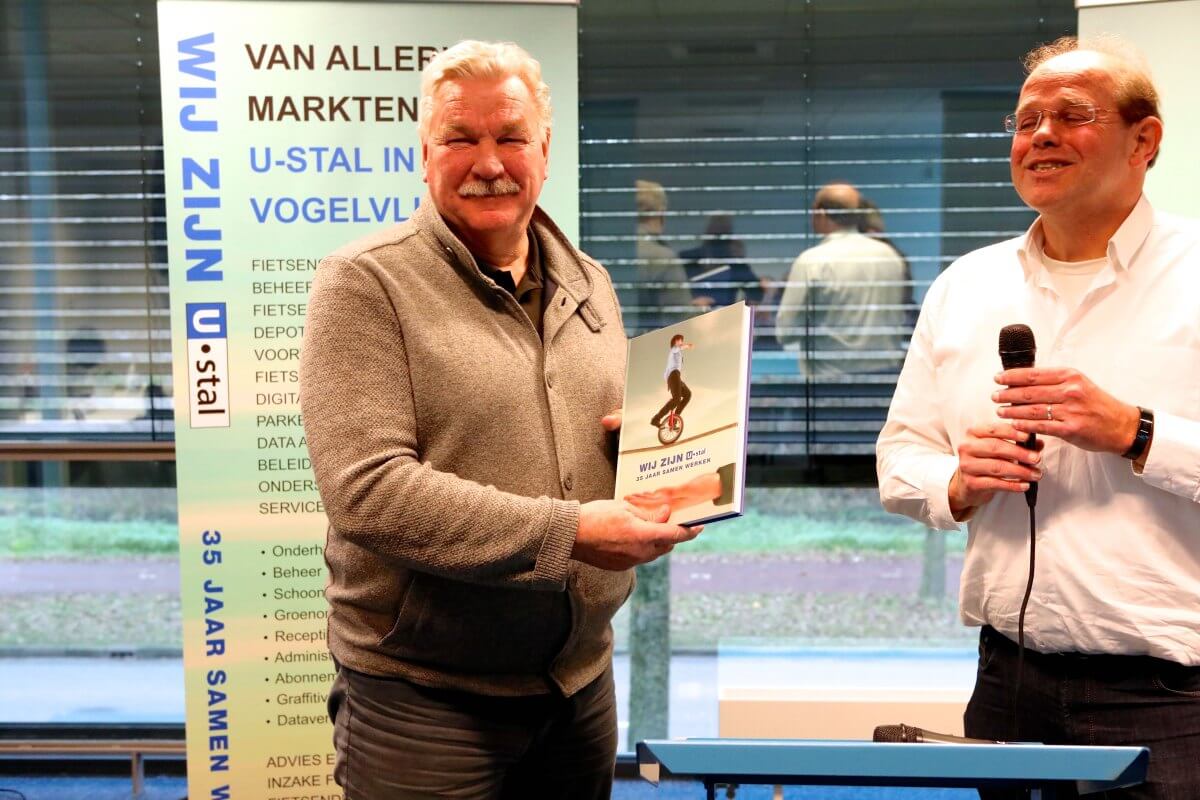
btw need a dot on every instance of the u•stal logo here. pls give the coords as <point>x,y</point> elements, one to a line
<point>208,365</point>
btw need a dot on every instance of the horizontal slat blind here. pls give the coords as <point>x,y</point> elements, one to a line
<point>85,342</point>
<point>738,109</point>
<point>743,112</point>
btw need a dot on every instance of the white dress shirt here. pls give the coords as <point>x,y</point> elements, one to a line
<point>674,362</point>
<point>1118,553</point>
<point>849,294</point>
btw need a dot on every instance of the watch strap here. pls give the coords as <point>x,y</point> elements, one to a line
<point>1145,432</point>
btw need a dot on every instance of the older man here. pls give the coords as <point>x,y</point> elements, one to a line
<point>843,305</point>
<point>1111,290</point>
<point>455,372</point>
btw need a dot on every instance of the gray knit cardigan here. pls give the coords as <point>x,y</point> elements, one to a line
<point>452,447</point>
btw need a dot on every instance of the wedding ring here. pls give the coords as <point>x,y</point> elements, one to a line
<point>1049,412</point>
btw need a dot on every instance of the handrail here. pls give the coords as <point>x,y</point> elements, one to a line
<point>30,450</point>
<point>136,749</point>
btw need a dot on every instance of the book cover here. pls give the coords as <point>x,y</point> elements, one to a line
<point>683,437</point>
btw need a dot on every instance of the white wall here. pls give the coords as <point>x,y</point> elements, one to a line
<point>1166,33</point>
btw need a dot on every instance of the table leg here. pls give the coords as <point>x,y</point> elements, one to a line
<point>138,773</point>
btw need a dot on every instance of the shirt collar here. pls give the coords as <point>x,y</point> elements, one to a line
<point>840,233</point>
<point>560,260</point>
<point>532,279</point>
<point>1122,247</point>
<point>1129,238</point>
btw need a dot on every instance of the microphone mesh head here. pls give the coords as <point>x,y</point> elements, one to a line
<point>1017,346</point>
<point>889,733</point>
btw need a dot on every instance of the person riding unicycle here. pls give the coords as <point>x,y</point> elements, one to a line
<point>680,393</point>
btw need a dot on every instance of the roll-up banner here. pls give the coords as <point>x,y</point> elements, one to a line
<point>289,128</point>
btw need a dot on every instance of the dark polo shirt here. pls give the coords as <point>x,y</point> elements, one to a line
<point>534,292</point>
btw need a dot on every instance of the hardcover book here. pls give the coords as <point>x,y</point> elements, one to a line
<point>683,436</point>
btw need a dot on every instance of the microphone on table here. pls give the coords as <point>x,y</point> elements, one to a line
<point>911,735</point>
<point>1017,351</point>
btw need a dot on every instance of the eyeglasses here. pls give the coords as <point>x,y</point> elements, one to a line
<point>1072,116</point>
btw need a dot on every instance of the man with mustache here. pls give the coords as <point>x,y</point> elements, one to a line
<point>1111,290</point>
<point>455,373</point>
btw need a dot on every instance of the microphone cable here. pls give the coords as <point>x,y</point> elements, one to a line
<point>1018,349</point>
<point>1031,501</point>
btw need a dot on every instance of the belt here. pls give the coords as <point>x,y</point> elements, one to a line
<point>991,637</point>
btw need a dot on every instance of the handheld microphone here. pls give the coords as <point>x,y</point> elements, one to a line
<point>911,735</point>
<point>1017,351</point>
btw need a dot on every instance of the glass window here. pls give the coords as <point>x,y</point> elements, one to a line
<point>85,345</point>
<point>709,134</point>
<point>89,582</point>
<point>88,533</point>
<point>709,131</point>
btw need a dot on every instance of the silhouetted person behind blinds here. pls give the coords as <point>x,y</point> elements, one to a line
<point>842,307</point>
<point>663,296</point>
<point>870,222</point>
<point>717,269</point>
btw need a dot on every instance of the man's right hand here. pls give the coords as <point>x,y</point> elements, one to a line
<point>616,535</point>
<point>990,461</point>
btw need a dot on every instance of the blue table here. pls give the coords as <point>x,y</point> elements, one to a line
<point>1040,768</point>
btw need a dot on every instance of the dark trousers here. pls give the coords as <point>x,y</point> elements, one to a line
<point>1069,698</point>
<point>680,395</point>
<point>396,740</point>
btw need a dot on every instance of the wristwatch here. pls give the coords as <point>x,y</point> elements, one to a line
<point>1145,432</point>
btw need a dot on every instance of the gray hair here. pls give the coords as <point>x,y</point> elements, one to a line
<point>489,60</point>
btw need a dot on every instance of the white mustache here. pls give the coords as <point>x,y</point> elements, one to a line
<point>493,188</point>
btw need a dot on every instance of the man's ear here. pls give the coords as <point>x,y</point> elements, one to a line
<point>1148,135</point>
<point>546,151</point>
<point>425,159</point>
<point>818,219</point>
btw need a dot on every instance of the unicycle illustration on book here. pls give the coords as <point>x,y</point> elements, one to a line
<point>670,428</point>
<point>669,419</point>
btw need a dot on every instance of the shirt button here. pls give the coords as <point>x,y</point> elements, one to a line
<point>568,483</point>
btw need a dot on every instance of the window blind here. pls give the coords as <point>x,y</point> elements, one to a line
<point>707,134</point>
<point>85,344</point>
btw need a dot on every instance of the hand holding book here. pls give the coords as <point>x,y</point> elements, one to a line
<point>617,535</point>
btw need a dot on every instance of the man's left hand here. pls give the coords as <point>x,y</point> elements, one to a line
<point>1064,403</point>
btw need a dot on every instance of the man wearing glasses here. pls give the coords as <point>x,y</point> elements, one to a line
<point>1111,290</point>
